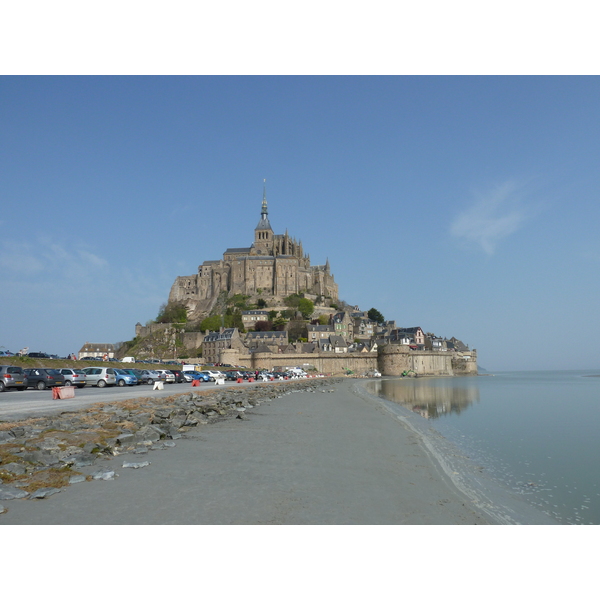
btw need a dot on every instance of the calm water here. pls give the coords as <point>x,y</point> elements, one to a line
<point>538,433</point>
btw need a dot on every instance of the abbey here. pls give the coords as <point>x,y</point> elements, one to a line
<point>273,267</point>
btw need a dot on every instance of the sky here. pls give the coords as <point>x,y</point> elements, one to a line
<point>465,204</point>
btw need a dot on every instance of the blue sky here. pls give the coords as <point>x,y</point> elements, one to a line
<point>466,205</point>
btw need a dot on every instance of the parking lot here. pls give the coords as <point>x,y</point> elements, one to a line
<point>16,405</point>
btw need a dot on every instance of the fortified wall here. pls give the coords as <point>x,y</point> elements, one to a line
<point>391,360</point>
<point>396,359</point>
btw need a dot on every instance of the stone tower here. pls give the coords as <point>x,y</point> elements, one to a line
<point>263,234</point>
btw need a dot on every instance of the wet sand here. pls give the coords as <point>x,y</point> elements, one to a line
<point>338,457</point>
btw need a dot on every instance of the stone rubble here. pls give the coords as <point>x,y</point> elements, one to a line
<point>41,455</point>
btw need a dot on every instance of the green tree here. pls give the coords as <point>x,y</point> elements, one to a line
<point>263,326</point>
<point>306,307</point>
<point>172,313</point>
<point>212,323</point>
<point>279,324</point>
<point>261,303</point>
<point>297,330</point>
<point>293,300</point>
<point>375,315</point>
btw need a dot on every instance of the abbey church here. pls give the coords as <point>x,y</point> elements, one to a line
<point>273,267</point>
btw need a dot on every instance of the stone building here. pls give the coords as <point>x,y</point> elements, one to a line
<point>273,340</point>
<point>273,267</point>
<point>251,317</point>
<point>215,342</point>
<point>89,350</point>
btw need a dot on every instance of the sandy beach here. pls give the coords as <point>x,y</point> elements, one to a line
<point>334,456</point>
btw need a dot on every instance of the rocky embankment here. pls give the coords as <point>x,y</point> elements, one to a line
<point>41,456</point>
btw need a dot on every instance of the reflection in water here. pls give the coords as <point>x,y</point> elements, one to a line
<point>431,398</point>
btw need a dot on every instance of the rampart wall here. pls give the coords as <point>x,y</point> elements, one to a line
<point>397,359</point>
<point>391,360</point>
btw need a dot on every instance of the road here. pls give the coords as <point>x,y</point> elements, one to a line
<point>16,405</point>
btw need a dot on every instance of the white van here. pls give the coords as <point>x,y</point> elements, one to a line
<point>128,359</point>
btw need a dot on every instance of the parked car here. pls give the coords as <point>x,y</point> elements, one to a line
<point>74,377</point>
<point>12,377</point>
<point>150,376</point>
<point>214,375</point>
<point>44,378</point>
<point>137,373</point>
<point>199,375</point>
<point>38,355</point>
<point>125,378</point>
<point>100,376</point>
<point>166,376</point>
<point>179,378</point>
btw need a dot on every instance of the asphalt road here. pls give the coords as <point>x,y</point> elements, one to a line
<point>15,405</point>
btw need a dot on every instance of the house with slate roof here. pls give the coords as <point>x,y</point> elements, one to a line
<point>343,325</point>
<point>270,339</point>
<point>215,342</point>
<point>251,317</point>
<point>318,332</point>
<point>103,351</point>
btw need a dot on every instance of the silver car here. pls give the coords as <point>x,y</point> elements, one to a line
<point>12,377</point>
<point>74,377</point>
<point>166,376</point>
<point>100,376</point>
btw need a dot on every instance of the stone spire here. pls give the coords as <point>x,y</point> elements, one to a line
<point>264,213</point>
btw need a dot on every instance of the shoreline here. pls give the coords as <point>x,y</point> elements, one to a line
<point>495,500</point>
<point>313,454</point>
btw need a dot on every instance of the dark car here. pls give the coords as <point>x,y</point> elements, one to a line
<point>137,373</point>
<point>44,378</point>
<point>38,355</point>
<point>179,378</point>
<point>12,377</point>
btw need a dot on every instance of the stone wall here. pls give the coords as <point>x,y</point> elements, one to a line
<point>396,359</point>
<point>324,362</point>
<point>391,360</point>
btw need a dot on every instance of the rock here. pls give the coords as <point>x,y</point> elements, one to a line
<point>8,492</point>
<point>173,434</point>
<point>162,413</point>
<point>85,460</point>
<point>44,493</point>
<point>135,465</point>
<point>150,433</point>
<point>76,479</point>
<point>104,474</point>
<point>91,446</point>
<point>141,419</point>
<point>32,457</point>
<point>6,436</point>
<point>49,444</point>
<point>2,509</point>
<point>14,468</point>
<point>125,439</point>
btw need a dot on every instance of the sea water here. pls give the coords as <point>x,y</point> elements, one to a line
<point>535,433</point>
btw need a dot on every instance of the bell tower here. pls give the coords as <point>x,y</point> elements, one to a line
<point>263,234</point>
